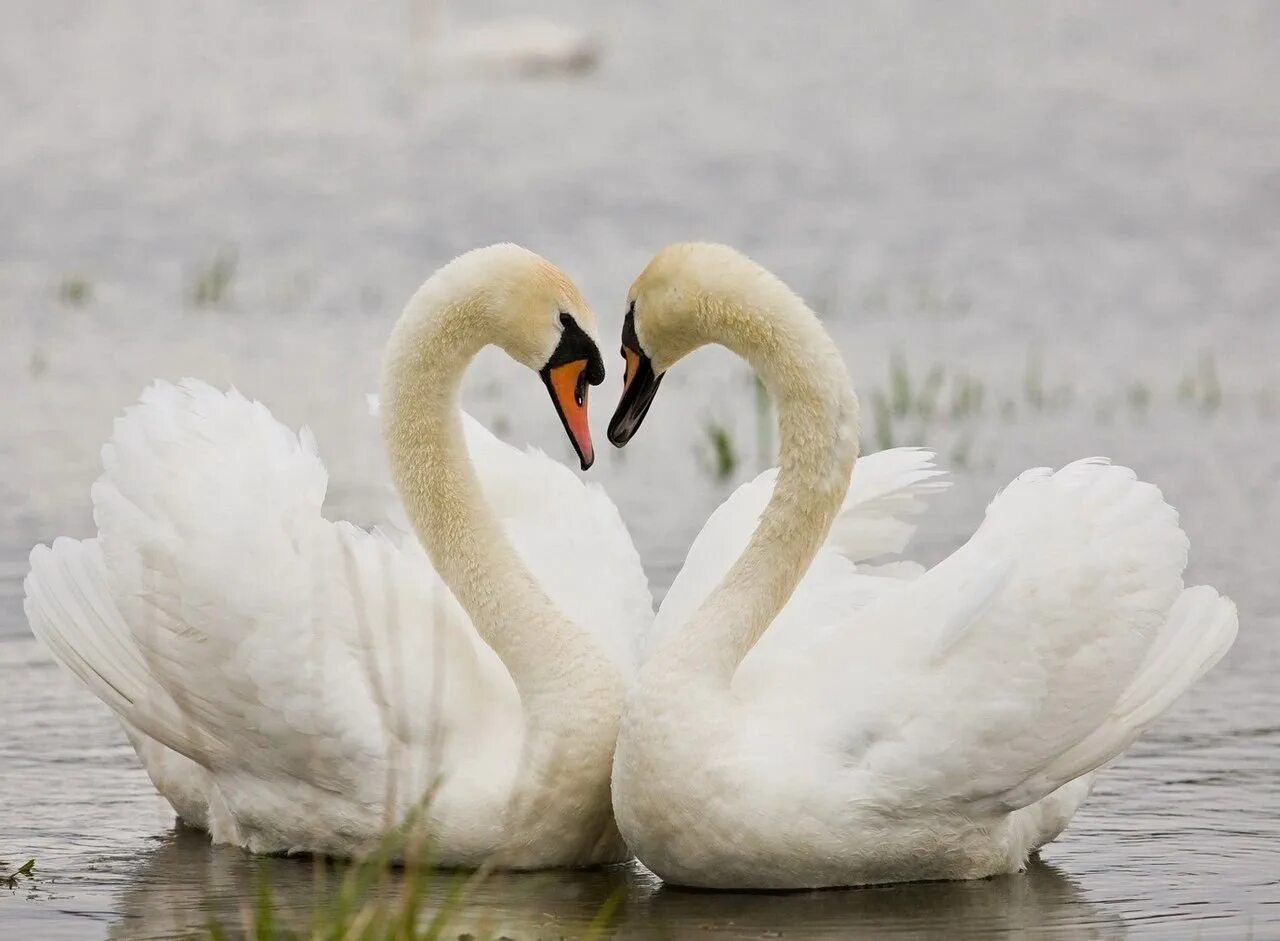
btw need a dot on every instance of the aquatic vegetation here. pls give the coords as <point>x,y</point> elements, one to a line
<point>718,452</point>
<point>1139,396</point>
<point>967,398</point>
<point>395,893</point>
<point>938,396</point>
<point>211,286</point>
<point>75,291</point>
<point>378,899</point>
<point>914,409</point>
<point>26,869</point>
<point>880,408</point>
<point>1036,393</point>
<point>764,423</point>
<point>899,386</point>
<point>1200,388</point>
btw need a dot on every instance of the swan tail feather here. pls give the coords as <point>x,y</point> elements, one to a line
<point>1200,630</point>
<point>1114,637</point>
<point>1063,627</point>
<point>70,610</point>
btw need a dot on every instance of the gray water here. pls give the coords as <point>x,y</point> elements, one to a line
<point>1063,224</point>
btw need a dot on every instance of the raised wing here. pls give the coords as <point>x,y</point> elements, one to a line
<point>1032,655</point>
<point>887,490</point>
<point>223,616</point>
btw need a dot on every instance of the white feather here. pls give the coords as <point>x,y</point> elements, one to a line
<point>288,681</point>
<point>886,491</point>
<point>941,726</point>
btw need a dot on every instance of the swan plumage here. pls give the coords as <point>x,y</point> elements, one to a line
<point>805,719</point>
<point>876,520</point>
<point>296,684</point>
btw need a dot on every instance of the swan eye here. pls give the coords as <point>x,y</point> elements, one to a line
<point>565,319</point>
<point>631,310</point>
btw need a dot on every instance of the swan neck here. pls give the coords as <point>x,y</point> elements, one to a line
<point>817,411</point>
<point>430,349</point>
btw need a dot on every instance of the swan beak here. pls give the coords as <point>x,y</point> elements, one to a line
<point>568,384</point>
<point>640,385</point>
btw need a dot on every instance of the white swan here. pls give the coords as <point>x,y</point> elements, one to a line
<point>293,684</point>
<point>524,45</point>
<point>883,729</point>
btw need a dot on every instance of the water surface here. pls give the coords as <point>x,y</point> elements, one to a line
<point>1070,219</point>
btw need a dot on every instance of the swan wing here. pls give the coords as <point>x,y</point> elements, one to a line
<point>219,613</point>
<point>887,490</point>
<point>1034,654</point>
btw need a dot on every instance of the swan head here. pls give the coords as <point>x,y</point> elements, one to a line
<point>670,309</point>
<point>545,324</point>
<point>529,308</point>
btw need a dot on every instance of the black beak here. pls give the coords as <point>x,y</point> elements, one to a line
<point>642,386</point>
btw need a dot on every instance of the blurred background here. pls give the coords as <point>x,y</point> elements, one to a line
<point>1038,232</point>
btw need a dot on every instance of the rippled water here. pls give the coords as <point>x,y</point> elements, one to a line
<point>1070,218</point>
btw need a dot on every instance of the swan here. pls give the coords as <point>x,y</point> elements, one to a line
<point>523,45</point>
<point>801,721</point>
<point>292,684</point>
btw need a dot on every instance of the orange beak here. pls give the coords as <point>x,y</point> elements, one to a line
<point>639,385</point>
<point>632,361</point>
<point>568,386</point>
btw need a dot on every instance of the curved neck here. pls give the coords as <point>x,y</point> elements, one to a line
<point>550,658</point>
<point>781,338</point>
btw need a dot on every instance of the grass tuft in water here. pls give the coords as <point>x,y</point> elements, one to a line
<point>1200,388</point>
<point>27,869</point>
<point>75,291</point>
<point>1211,398</point>
<point>211,286</point>
<point>764,423</point>
<point>884,421</point>
<point>915,405</point>
<point>378,900</point>
<point>718,453</point>
<point>1139,396</point>
<point>900,398</point>
<point>1037,394</point>
<point>968,395</point>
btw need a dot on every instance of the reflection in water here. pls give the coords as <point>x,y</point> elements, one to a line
<point>184,884</point>
<point>1042,898</point>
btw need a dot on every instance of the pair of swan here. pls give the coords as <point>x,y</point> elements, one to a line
<point>794,717</point>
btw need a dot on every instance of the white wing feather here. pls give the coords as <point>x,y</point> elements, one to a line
<point>1031,656</point>
<point>220,615</point>
<point>887,489</point>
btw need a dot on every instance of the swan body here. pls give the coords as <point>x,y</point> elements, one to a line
<point>804,720</point>
<point>294,684</point>
<point>520,45</point>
